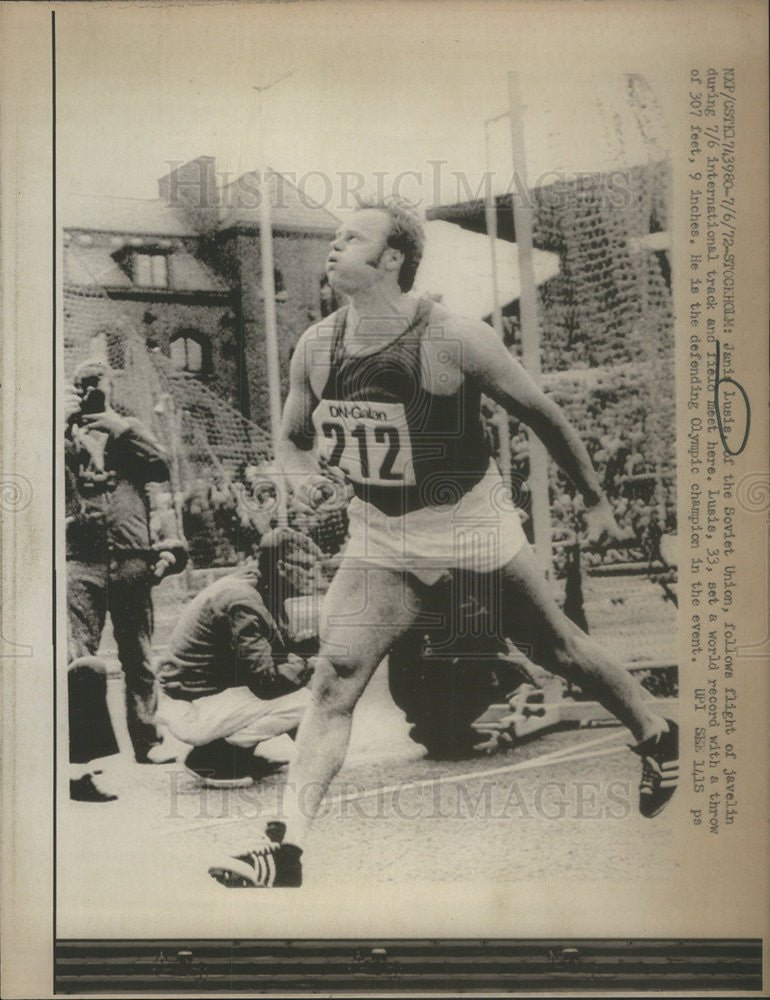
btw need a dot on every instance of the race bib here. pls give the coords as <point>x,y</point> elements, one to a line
<point>368,441</point>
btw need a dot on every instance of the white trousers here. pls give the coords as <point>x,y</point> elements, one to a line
<point>236,715</point>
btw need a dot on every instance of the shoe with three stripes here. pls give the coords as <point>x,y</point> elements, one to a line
<point>270,865</point>
<point>660,770</point>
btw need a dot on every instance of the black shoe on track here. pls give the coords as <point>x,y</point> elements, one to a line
<point>660,770</point>
<point>221,764</point>
<point>270,865</point>
<point>85,789</point>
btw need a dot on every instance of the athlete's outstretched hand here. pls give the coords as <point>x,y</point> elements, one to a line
<point>530,672</point>
<point>603,529</point>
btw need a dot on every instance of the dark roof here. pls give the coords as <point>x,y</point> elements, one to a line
<point>188,274</point>
<point>139,216</point>
<point>240,201</point>
<point>471,215</point>
<point>290,208</point>
<point>95,266</point>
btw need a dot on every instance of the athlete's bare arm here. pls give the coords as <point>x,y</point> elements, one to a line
<point>500,376</point>
<point>296,458</point>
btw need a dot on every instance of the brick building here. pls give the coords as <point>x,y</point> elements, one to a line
<point>181,276</point>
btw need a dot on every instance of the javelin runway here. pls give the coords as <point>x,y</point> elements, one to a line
<point>562,805</point>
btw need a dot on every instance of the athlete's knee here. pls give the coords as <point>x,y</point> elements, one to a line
<point>334,686</point>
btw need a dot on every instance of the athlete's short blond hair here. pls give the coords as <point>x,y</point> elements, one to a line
<point>406,234</point>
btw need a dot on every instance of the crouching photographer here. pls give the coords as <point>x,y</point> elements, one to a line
<point>228,680</point>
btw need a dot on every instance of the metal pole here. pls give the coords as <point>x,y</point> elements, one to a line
<point>177,417</point>
<point>173,417</point>
<point>268,292</point>
<point>268,285</point>
<point>490,212</point>
<point>530,332</point>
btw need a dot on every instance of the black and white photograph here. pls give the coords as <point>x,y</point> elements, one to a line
<point>397,430</point>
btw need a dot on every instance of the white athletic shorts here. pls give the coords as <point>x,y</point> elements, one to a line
<point>481,532</point>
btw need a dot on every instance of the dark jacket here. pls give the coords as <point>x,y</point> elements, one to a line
<point>225,637</point>
<point>107,502</point>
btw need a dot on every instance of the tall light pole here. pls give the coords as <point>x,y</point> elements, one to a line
<point>523,222</point>
<point>268,286</point>
<point>530,333</point>
<point>490,211</point>
<point>268,278</point>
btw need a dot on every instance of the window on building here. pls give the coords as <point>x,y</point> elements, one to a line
<point>150,269</point>
<point>190,352</point>
<point>146,264</point>
<point>107,346</point>
<point>97,348</point>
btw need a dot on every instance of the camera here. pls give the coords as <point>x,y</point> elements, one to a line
<point>92,397</point>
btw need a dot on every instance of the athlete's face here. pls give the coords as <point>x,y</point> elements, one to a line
<point>359,255</point>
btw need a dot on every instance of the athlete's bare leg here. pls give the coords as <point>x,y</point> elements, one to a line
<point>564,649</point>
<point>364,611</point>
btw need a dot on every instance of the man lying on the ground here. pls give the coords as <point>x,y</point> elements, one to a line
<point>228,680</point>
